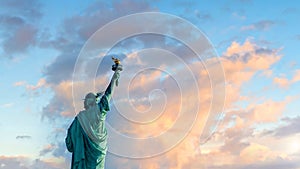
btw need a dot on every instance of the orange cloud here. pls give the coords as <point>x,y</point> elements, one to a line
<point>257,153</point>
<point>40,84</point>
<point>296,77</point>
<point>236,48</point>
<point>284,82</point>
<point>269,111</point>
<point>20,83</point>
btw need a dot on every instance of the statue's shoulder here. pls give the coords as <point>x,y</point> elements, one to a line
<point>81,112</point>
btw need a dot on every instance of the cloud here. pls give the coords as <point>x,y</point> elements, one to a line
<point>284,82</point>
<point>251,55</point>
<point>27,8</point>
<point>40,84</point>
<point>279,163</point>
<point>291,127</point>
<point>23,137</point>
<point>33,90</point>
<point>257,153</point>
<point>239,15</point>
<point>202,15</point>
<point>236,48</point>
<point>11,20</point>
<point>273,164</point>
<point>232,145</point>
<point>24,162</point>
<point>296,76</point>
<point>21,39</point>
<point>261,25</point>
<point>269,111</point>
<point>48,148</point>
<point>18,26</point>
<point>20,83</point>
<point>241,62</point>
<point>62,67</point>
<point>61,102</point>
<point>7,105</point>
<point>13,162</point>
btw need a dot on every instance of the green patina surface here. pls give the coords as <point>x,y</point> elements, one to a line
<point>87,135</point>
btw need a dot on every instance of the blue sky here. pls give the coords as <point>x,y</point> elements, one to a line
<point>258,46</point>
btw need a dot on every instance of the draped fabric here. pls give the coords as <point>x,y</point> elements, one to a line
<point>87,136</point>
<point>92,120</point>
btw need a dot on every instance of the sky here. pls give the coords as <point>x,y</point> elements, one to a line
<point>205,85</point>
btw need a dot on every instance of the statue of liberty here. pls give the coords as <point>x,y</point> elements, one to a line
<point>87,135</point>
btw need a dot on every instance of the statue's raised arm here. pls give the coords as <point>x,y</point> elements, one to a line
<point>117,68</point>
<point>114,80</point>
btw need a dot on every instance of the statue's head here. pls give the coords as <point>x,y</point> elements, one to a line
<point>89,100</point>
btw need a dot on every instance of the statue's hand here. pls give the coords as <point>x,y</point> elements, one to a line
<point>116,75</point>
<point>115,78</point>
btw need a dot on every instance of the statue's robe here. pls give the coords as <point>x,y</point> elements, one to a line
<point>87,136</point>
